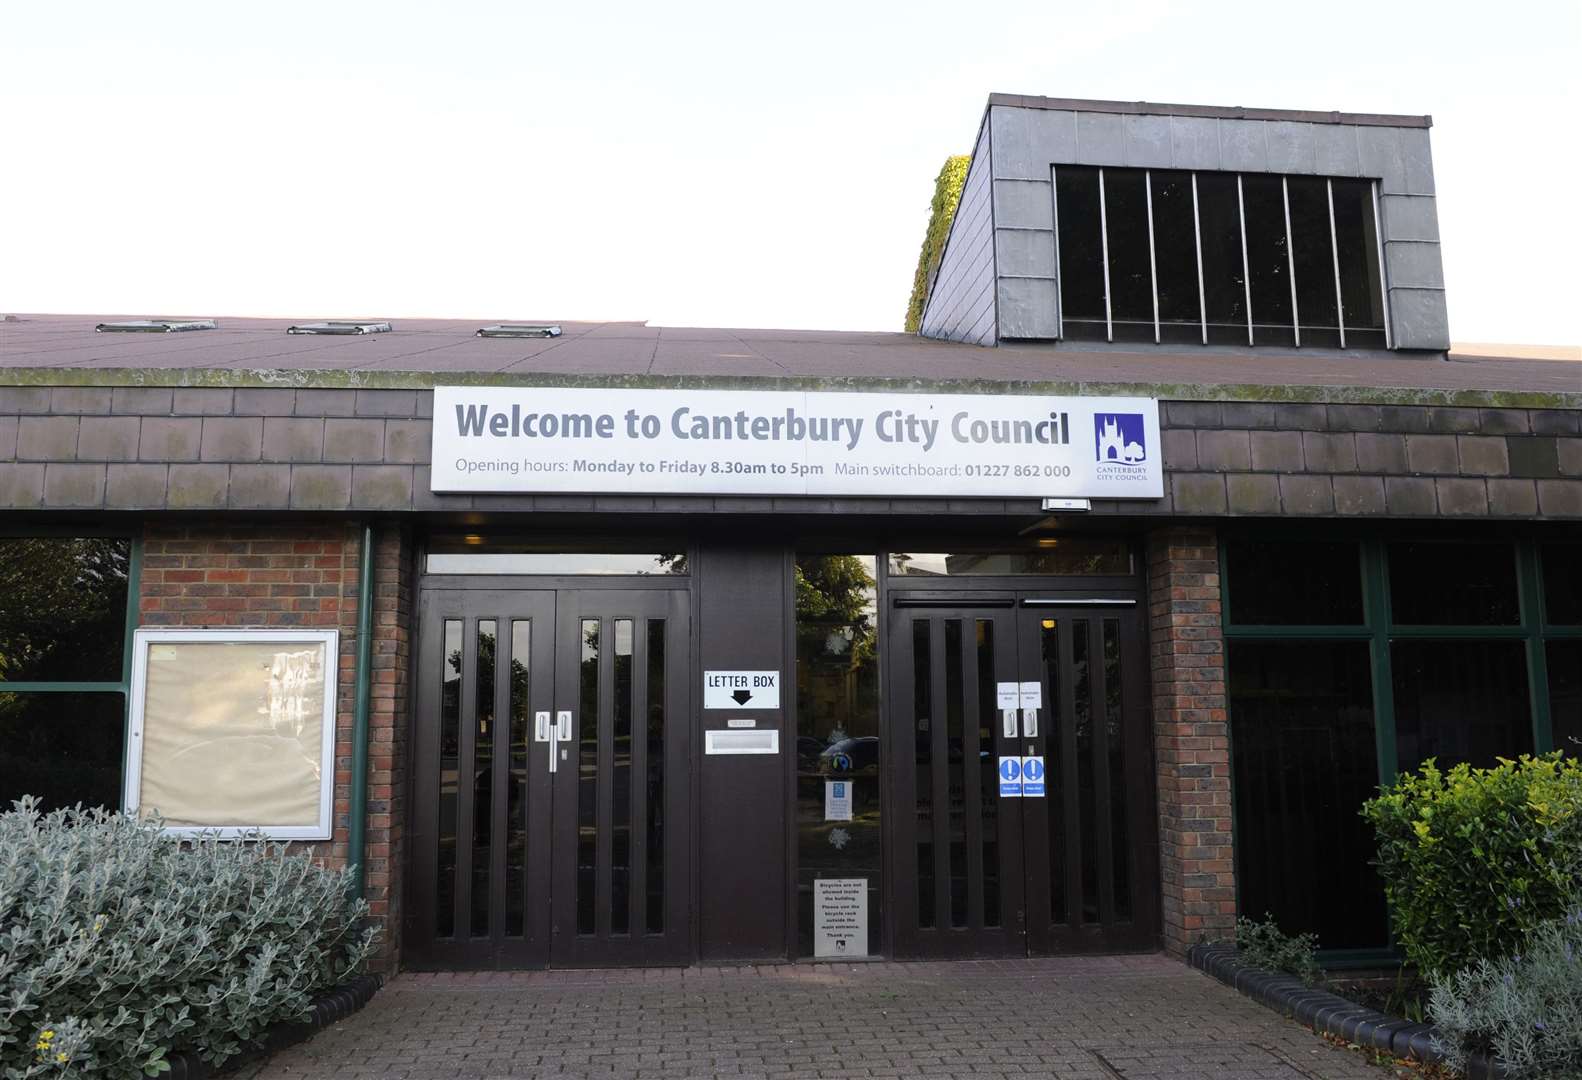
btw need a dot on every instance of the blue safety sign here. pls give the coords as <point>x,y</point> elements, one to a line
<point>1033,777</point>
<point>1010,778</point>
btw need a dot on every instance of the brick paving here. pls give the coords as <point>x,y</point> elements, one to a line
<point>1101,1018</point>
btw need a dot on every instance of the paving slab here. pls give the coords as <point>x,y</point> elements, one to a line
<point>1095,1018</point>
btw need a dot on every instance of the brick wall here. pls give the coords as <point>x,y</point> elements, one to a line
<point>1191,737</point>
<point>305,575</point>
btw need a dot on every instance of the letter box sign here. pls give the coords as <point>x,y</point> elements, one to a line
<point>781,442</point>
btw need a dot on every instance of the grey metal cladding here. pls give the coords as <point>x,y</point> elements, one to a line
<point>1027,139</point>
<point>960,304</point>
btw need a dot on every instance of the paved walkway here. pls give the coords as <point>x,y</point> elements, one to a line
<point>1102,1018</point>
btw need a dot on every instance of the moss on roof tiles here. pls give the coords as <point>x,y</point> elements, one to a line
<point>424,380</point>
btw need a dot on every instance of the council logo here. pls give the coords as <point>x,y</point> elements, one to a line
<point>1119,439</point>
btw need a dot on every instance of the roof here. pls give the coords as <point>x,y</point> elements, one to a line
<point>1229,112</point>
<point>64,349</point>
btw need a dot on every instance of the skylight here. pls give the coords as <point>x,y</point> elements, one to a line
<point>339,328</point>
<point>153,326</point>
<point>517,330</point>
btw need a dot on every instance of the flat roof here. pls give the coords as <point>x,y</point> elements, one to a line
<point>64,350</point>
<point>1228,112</point>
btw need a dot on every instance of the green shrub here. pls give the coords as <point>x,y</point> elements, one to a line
<point>119,944</point>
<point>1262,945</point>
<point>942,211</point>
<point>1525,1009</point>
<point>1475,859</point>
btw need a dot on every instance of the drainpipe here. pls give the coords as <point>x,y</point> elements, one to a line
<point>358,823</point>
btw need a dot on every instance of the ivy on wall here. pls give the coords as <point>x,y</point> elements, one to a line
<point>947,194</point>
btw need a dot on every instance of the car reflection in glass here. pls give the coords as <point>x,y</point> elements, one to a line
<point>856,756</point>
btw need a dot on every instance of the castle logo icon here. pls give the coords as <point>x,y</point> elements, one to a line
<point>1119,439</point>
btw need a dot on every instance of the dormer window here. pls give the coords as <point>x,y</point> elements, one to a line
<point>1218,258</point>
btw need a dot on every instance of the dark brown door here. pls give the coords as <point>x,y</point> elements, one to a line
<point>1089,839</point>
<point>621,866</point>
<point>549,772</point>
<point>1059,856</point>
<point>956,854</point>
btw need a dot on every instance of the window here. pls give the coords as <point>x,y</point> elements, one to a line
<point>1074,555</point>
<point>234,730</point>
<point>837,747</point>
<point>63,668</point>
<point>1350,660</point>
<point>475,554</point>
<point>1227,258</point>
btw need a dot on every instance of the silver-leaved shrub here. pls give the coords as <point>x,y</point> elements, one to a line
<point>1525,1009</point>
<point>120,944</point>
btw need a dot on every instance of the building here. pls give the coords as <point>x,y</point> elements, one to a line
<point>1079,623</point>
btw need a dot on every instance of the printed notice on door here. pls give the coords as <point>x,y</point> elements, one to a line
<point>840,917</point>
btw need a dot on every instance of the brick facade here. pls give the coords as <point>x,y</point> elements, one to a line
<point>1191,737</point>
<point>305,575</point>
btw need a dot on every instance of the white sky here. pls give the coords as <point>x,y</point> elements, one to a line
<point>729,164</point>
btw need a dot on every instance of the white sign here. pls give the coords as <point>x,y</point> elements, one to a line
<point>781,442</point>
<point>1032,695</point>
<point>840,917</point>
<point>741,689</point>
<point>1006,695</point>
<point>1010,778</point>
<point>837,800</point>
<point>1033,777</point>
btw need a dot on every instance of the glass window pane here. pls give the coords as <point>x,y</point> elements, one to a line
<point>642,564</point>
<point>1267,266</point>
<point>923,771</point>
<point>1460,701</point>
<point>1082,722</point>
<point>956,781</point>
<point>655,878</point>
<point>1315,261</point>
<point>1175,257</point>
<point>62,609</point>
<point>1565,695</point>
<point>588,775</point>
<point>516,823</point>
<point>1361,290</point>
<point>1115,742</point>
<point>1054,768</point>
<point>483,776</point>
<point>1562,565</point>
<point>1066,555</point>
<point>449,755</point>
<point>621,782</point>
<point>1131,275</point>
<point>1080,240</point>
<point>837,701</point>
<point>1304,761</point>
<point>988,774</point>
<point>63,748</point>
<point>1293,583</point>
<point>1453,584</point>
<point>1224,276</point>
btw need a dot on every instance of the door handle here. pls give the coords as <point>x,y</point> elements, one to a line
<point>1029,723</point>
<point>553,733</point>
<point>1008,720</point>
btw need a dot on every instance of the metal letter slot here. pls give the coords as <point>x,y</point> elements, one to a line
<point>1008,719</point>
<point>543,730</point>
<point>1029,723</point>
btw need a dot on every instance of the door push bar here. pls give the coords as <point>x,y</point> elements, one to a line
<point>1029,723</point>
<point>552,732</point>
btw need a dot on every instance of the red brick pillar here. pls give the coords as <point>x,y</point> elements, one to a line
<point>1191,737</point>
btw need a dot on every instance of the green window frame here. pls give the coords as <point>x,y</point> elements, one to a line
<point>1379,630</point>
<point>123,685</point>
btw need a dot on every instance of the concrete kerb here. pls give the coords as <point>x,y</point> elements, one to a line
<point>1330,1014</point>
<point>334,1005</point>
